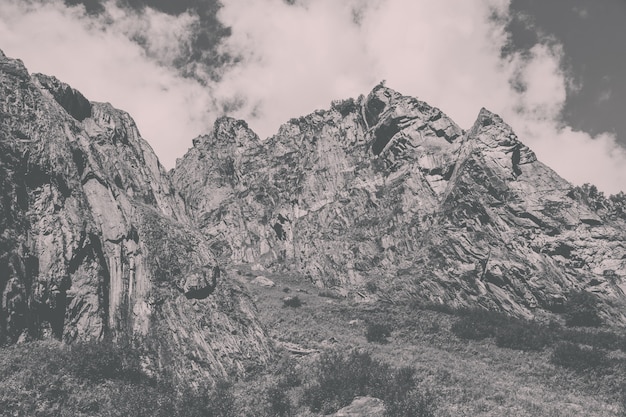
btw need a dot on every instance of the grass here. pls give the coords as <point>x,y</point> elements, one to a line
<point>435,363</point>
<point>508,372</point>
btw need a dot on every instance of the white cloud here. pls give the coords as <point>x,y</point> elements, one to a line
<point>294,59</point>
<point>297,58</point>
<point>101,61</point>
<point>447,53</point>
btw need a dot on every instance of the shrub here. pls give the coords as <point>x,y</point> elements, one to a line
<point>414,404</point>
<point>220,400</point>
<point>330,294</point>
<point>103,360</point>
<point>341,377</point>
<point>581,309</point>
<point>287,373</point>
<point>439,307</point>
<point>572,356</point>
<point>598,339</point>
<point>279,403</point>
<point>523,336</point>
<point>292,302</point>
<point>400,395</point>
<point>377,332</point>
<point>479,324</point>
<point>344,106</point>
<point>371,287</point>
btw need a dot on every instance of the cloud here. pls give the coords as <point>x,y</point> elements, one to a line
<point>293,57</point>
<point>101,58</point>
<point>296,58</point>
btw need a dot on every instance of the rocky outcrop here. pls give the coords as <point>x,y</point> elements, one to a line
<point>363,407</point>
<point>96,244</point>
<point>386,194</point>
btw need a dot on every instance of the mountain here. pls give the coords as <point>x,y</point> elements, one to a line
<point>385,197</point>
<point>379,198</point>
<point>96,245</point>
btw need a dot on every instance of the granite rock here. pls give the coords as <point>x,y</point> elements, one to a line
<point>386,191</point>
<point>95,244</point>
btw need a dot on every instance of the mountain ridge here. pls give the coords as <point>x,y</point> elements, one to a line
<point>383,186</point>
<point>96,245</point>
<point>379,198</point>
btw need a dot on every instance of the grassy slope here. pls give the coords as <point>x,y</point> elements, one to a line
<point>470,378</point>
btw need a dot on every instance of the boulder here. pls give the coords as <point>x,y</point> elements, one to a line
<point>263,281</point>
<point>363,407</point>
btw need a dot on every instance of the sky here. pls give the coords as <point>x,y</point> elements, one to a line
<point>554,70</point>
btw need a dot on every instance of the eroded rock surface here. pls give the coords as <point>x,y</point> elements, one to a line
<point>385,193</point>
<point>94,242</point>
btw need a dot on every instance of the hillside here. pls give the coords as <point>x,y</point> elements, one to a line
<point>373,250</point>
<point>387,192</point>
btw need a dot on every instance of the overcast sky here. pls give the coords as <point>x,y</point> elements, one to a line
<point>555,70</point>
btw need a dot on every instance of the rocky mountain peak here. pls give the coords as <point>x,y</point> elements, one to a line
<point>228,132</point>
<point>386,191</point>
<point>70,99</point>
<point>95,244</point>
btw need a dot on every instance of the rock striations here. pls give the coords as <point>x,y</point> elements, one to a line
<point>386,197</point>
<point>383,197</point>
<point>95,244</point>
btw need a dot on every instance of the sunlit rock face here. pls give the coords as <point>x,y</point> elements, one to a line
<point>95,243</point>
<point>387,193</point>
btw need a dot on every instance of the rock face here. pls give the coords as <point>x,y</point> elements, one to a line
<point>94,242</point>
<point>386,194</point>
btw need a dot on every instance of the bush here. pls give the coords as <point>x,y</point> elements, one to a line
<point>75,380</point>
<point>103,360</point>
<point>479,324</point>
<point>598,339</point>
<point>292,302</point>
<point>581,309</point>
<point>377,333</point>
<point>218,401</point>
<point>287,373</point>
<point>523,336</point>
<point>371,287</point>
<point>344,106</point>
<point>279,403</point>
<point>339,378</point>
<point>414,404</point>
<point>572,356</point>
<point>330,294</point>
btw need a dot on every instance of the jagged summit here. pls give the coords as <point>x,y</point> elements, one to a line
<point>382,197</point>
<point>387,192</point>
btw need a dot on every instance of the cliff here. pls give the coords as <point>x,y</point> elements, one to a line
<point>385,197</point>
<point>95,244</point>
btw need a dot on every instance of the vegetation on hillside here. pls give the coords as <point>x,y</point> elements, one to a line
<point>611,206</point>
<point>434,363</point>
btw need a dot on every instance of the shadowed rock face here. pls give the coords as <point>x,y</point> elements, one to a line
<point>74,103</point>
<point>389,189</point>
<point>94,243</point>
